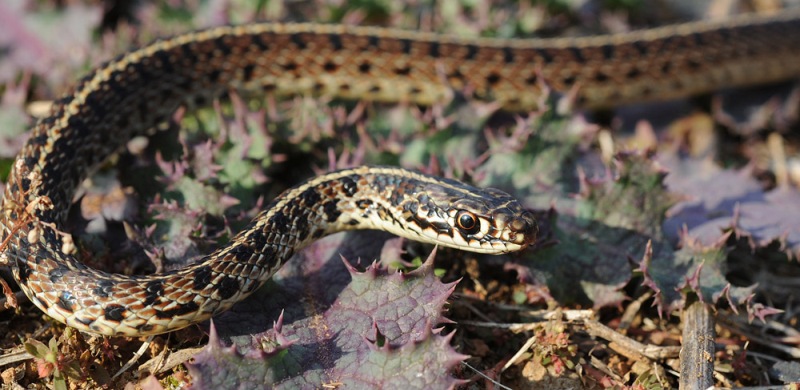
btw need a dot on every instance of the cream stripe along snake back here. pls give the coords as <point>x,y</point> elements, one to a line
<point>133,93</point>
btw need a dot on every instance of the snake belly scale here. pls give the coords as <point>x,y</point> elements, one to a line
<point>133,93</point>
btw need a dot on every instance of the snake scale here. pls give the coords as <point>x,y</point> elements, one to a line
<point>133,93</point>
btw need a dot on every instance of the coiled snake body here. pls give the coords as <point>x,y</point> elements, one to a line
<point>133,93</point>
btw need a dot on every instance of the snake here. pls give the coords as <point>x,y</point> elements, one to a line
<point>133,93</point>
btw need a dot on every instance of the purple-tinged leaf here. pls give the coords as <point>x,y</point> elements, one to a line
<point>418,364</point>
<point>50,44</point>
<point>635,200</point>
<point>541,166</point>
<point>775,219</point>
<point>174,239</point>
<point>581,267</point>
<point>611,222</point>
<point>710,197</point>
<point>694,268</point>
<point>203,164</point>
<point>758,310</point>
<point>220,366</point>
<point>718,200</point>
<point>348,327</point>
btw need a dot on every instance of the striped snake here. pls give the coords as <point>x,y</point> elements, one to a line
<point>133,93</point>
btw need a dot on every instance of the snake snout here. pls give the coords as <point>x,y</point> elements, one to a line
<point>525,228</point>
<point>518,227</point>
<point>521,228</point>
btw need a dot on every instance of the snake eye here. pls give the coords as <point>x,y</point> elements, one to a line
<point>468,222</point>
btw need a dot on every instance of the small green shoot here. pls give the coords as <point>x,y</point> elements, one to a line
<point>50,361</point>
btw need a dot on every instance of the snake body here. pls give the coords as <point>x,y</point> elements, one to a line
<point>129,95</point>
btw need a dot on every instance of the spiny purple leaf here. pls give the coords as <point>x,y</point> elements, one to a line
<point>610,222</point>
<point>538,166</point>
<point>635,200</point>
<point>218,366</point>
<point>758,310</point>
<point>600,268</point>
<point>423,363</point>
<point>173,240</point>
<point>349,327</point>
<point>693,268</point>
<point>775,219</point>
<point>718,200</point>
<point>710,197</point>
<point>203,164</point>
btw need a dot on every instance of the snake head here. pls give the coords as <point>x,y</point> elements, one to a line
<point>457,215</point>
